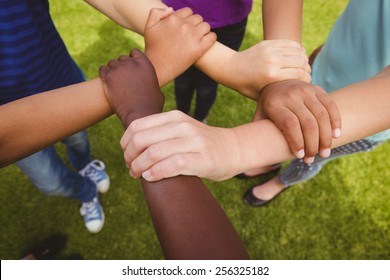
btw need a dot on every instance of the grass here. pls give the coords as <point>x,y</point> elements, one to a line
<point>343,213</point>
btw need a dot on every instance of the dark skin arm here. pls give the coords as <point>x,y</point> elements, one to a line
<point>189,222</point>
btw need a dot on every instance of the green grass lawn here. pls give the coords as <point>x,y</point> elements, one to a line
<point>343,213</point>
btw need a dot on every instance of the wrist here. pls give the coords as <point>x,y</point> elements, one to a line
<point>164,75</point>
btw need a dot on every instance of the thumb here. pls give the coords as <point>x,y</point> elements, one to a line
<point>136,53</point>
<point>156,15</point>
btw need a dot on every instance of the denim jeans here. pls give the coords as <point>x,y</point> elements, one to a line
<point>48,173</point>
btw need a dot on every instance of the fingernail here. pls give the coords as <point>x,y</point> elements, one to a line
<point>300,154</point>
<point>146,175</point>
<point>337,133</point>
<point>325,153</point>
<point>309,160</point>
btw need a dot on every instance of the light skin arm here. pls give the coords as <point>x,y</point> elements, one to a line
<point>32,123</point>
<point>242,71</point>
<point>172,143</point>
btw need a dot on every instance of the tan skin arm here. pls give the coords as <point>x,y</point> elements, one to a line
<point>282,19</point>
<point>32,123</point>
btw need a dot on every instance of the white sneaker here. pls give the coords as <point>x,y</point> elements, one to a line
<point>93,215</point>
<point>95,171</point>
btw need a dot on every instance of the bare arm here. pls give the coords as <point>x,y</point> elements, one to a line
<point>364,110</point>
<point>29,124</point>
<point>32,123</point>
<point>188,221</point>
<point>188,147</point>
<point>282,19</point>
<point>241,69</point>
<point>305,113</point>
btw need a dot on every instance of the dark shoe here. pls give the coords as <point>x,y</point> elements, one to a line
<point>250,199</point>
<point>272,171</point>
<point>48,248</point>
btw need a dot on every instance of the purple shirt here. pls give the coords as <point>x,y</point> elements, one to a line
<point>218,13</point>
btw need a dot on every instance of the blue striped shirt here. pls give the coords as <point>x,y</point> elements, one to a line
<point>33,57</point>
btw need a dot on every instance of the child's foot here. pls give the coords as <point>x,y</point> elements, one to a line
<point>93,215</point>
<point>95,171</point>
<point>262,194</point>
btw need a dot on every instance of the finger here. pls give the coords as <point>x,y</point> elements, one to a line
<point>291,51</point>
<point>194,19</point>
<point>324,126</point>
<point>123,58</point>
<point>113,63</point>
<point>334,114</point>
<point>184,13</point>
<point>158,152</point>
<point>147,138</point>
<point>310,130</point>
<point>208,40</point>
<point>136,53</point>
<point>294,74</point>
<point>175,165</point>
<point>283,43</point>
<point>103,71</point>
<point>293,62</point>
<point>154,121</point>
<point>290,126</point>
<point>156,15</point>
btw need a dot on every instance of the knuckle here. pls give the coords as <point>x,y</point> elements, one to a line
<point>185,126</point>
<point>327,142</point>
<point>179,162</point>
<point>134,127</point>
<point>154,153</point>
<point>271,73</point>
<point>136,141</point>
<point>294,144</point>
<point>309,124</point>
<point>176,114</point>
<point>322,116</point>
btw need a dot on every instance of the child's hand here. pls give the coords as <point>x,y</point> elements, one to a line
<point>131,87</point>
<point>175,40</point>
<point>172,143</point>
<point>268,62</point>
<point>305,113</point>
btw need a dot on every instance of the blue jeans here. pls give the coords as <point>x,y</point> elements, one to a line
<point>48,173</point>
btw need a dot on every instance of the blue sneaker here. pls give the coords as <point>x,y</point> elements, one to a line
<point>93,215</point>
<point>95,172</point>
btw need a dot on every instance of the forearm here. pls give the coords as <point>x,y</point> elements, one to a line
<point>189,222</point>
<point>32,123</point>
<point>131,14</point>
<point>221,57</point>
<point>363,108</point>
<point>282,19</point>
